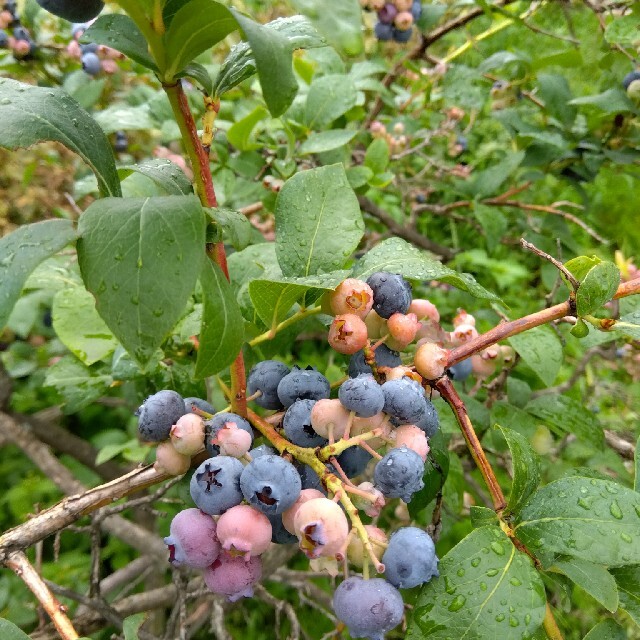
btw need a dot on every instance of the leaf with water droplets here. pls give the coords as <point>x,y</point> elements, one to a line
<point>164,173</point>
<point>140,258</point>
<point>486,589</point>
<point>583,518</point>
<point>607,630</point>
<point>593,578</point>
<point>31,114</point>
<point>628,581</point>
<point>22,251</point>
<point>526,469</point>
<point>541,350</point>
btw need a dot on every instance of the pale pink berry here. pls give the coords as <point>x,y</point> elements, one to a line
<point>245,531</point>
<point>192,539</point>
<point>289,515</point>
<point>352,296</point>
<point>377,5</point>
<point>21,48</point>
<point>364,425</point>
<point>355,550</point>
<point>403,329</point>
<point>463,333</point>
<point>187,434</point>
<point>321,527</point>
<point>6,18</point>
<point>431,331</point>
<point>485,363</point>
<point>233,577</point>
<point>329,416</point>
<point>403,5</point>
<point>508,353</point>
<point>412,437</point>
<point>110,53</point>
<point>376,325</point>
<point>424,309</point>
<point>378,130</point>
<point>168,460</point>
<point>462,317</point>
<point>348,333</point>
<point>232,440</point>
<point>430,360</point>
<point>403,20</point>
<point>74,50</point>
<point>371,507</point>
<point>401,371</point>
<point>109,66</point>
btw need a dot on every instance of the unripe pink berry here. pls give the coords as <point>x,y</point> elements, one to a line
<point>74,50</point>
<point>364,425</point>
<point>430,360</point>
<point>485,363</point>
<point>355,550</point>
<point>187,434</point>
<point>321,527</point>
<point>403,5</point>
<point>21,48</point>
<point>6,18</point>
<point>168,460</point>
<point>463,333</point>
<point>329,415</point>
<point>424,309</point>
<point>398,128</point>
<point>403,20</point>
<point>243,530</point>
<point>376,326</point>
<point>109,66</point>
<point>507,353</point>
<point>462,317</point>
<point>376,5</point>
<point>289,515</point>
<point>192,539</point>
<point>378,130</point>
<point>233,577</point>
<point>396,373</point>
<point>352,296</point>
<point>232,440</point>
<point>403,329</point>
<point>348,334</point>
<point>431,331</point>
<point>371,507</point>
<point>412,437</point>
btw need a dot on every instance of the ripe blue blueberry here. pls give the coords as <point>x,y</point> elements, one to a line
<point>402,35</point>
<point>297,425</point>
<point>158,413</point>
<point>391,293</point>
<point>218,422</point>
<point>303,384</point>
<point>270,484</point>
<point>354,461</point>
<point>309,478</point>
<point>265,377</point>
<point>91,64</point>
<point>4,39</point>
<point>215,485</point>
<point>90,47</point>
<point>416,10</point>
<point>404,400</point>
<point>121,143</point>
<point>399,474</point>
<point>462,370</point>
<point>410,558</point>
<point>198,403</point>
<point>279,534</point>
<point>73,10</point>
<point>629,78</point>
<point>262,450</point>
<point>429,422</point>
<point>383,31</point>
<point>384,357</point>
<point>369,608</point>
<point>362,395</point>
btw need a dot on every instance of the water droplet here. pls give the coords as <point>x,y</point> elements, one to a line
<point>527,618</point>
<point>5,101</point>
<point>135,300</point>
<point>158,312</point>
<point>626,537</point>
<point>615,510</point>
<point>139,263</point>
<point>497,548</point>
<point>475,562</point>
<point>460,572</point>
<point>448,587</point>
<point>584,503</point>
<point>492,572</point>
<point>115,286</point>
<point>513,621</point>
<point>500,617</point>
<point>458,603</point>
<point>102,287</point>
<point>483,586</point>
<point>515,582</point>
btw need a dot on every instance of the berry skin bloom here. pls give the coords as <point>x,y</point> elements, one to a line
<point>430,360</point>
<point>301,384</point>
<point>352,296</point>
<point>243,530</point>
<point>321,527</point>
<point>362,395</point>
<point>158,413</point>
<point>399,474</point>
<point>215,485</point>
<point>187,434</point>
<point>404,400</point>
<point>192,539</point>
<point>233,577</point>
<point>348,334</point>
<point>391,292</point>
<point>265,377</point>
<point>410,558</point>
<point>384,357</point>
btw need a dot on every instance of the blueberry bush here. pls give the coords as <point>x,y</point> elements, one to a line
<point>319,319</point>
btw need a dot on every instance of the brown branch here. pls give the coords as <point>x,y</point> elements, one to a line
<point>556,263</point>
<point>621,446</point>
<point>450,395</point>
<point>410,235</point>
<point>18,562</point>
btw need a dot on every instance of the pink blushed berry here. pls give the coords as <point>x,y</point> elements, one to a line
<point>430,360</point>
<point>321,527</point>
<point>232,440</point>
<point>462,317</point>
<point>187,434</point>
<point>403,20</point>
<point>352,296</point>
<point>168,460</point>
<point>403,329</point>
<point>233,577</point>
<point>348,334</point>
<point>329,418</point>
<point>463,333</point>
<point>412,437</point>
<point>424,309</point>
<point>192,539</point>
<point>243,530</point>
<point>289,515</point>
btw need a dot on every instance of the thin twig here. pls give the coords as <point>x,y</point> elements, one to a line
<point>556,263</point>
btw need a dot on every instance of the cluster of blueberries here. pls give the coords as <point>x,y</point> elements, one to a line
<point>13,35</point>
<point>395,18</point>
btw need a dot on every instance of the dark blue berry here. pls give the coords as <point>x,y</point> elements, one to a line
<point>279,534</point>
<point>4,39</point>
<point>158,413</point>
<point>270,484</point>
<point>362,395</point>
<point>215,485</point>
<point>391,293</point>
<point>353,461</point>
<point>303,384</point>
<point>90,47</point>
<point>462,370</point>
<point>399,474</point>
<point>404,400</point>
<point>265,377</point>
<point>309,478</point>
<point>297,425</point>
<point>218,422</point>
<point>262,450</point>
<point>429,422</point>
<point>121,143</point>
<point>632,76</point>
<point>402,35</point>
<point>383,31</point>
<point>416,10</point>
<point>91,64</point>
<point>410,558</point>
<point>73,10</point>
<point>198,403</point>
<point>384,357</point>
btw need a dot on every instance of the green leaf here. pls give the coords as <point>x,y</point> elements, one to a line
<point>326,141</point>
<point>624,30</point>
<point>377,156</point>
<point>236,228</point>
<point>487,182</point>
<point>239,134</point>
<point>79,327</point>
<point>196,27</point>
<point>22,251</point>
<point>398,256</point>
<point>78,385</point>
<point>581,265</point>
<point>556,94</point>
<point>329,97</point>
<point>273,57</point>
<point>125,117</point>
<point>120,32</point>
<point>628,581</point>
<point>564,415</point>
<point>9,631</point>
<point>436,470</point>
<point>222,331</point>
<point>607,630</point>
<point>32,114</point>
<point>164,173</point>
<point>131,625</point>
<point>272,299</point>
<point>240,64</point>
<point>611,101</point>
<point>628,325</point>
<point>584,518</point>
<point>541,350</point>
<point>483,517</point>
<point>636,477</point>
<point>597,287</point>
<point>487,589</point>
<point>526,469</point>
<point>318,222</point>
<point>593,578</point>
<point>140,258</point>
<point>199,73</point>
<point>493,223</point>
